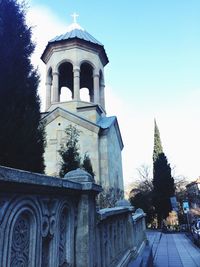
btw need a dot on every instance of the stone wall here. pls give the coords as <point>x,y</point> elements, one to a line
<point>114,158</point>
<point>56,136</point>
<point>47,221</point>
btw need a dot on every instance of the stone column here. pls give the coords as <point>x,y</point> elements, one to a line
<point>85,238</point>
<point>96,88</point>
<point>76,90</point>
<point>102,95</point>
<point>55,87</point>
<point>48,94</point>
<point>85,247</point>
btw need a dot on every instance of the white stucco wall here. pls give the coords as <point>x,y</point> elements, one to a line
<point>88,142</point>
<point>103,148</point>
<point>111,160</point>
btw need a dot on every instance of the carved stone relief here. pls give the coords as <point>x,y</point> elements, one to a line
<point>21,242</point>
<point>62,235</point>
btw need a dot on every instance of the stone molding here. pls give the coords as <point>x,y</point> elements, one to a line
<point>71,117</point>
<point>26,180</point>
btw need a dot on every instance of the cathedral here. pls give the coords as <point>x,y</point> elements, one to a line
<point>75,63</point>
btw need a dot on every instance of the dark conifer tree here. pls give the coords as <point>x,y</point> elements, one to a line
<point>163,187</point>
<point>157,149</point>
<point>87,165</point>
<point>163,183</point>
<point>70,157</point>
<point>21,135</point>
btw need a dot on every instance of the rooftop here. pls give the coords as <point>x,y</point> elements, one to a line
<point>74,30</point>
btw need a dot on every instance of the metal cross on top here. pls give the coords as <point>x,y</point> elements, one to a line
<point>75,16</point>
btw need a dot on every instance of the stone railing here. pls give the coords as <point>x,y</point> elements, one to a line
<point>120,235</point>
<point>115,244</point>
<point>51,222</point>
<point>139,229</point>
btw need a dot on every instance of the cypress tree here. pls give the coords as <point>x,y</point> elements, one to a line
<point>87,165</point>
<point>163,183</point>
<point>22,137</point>
<point>157,142</point>
<point>70,157</point>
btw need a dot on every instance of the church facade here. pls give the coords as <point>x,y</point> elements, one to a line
<point>75,62</point>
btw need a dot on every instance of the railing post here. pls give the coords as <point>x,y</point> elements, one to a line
<point>139,228</point>
<point>85,239</point>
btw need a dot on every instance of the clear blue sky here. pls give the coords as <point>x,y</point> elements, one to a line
<point>154,71</point>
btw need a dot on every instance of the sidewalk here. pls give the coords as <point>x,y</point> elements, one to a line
<point>168,250</point>
<point>173,250</point>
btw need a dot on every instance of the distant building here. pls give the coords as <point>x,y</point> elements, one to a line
<point>193,191</point>
<point>75,62</point>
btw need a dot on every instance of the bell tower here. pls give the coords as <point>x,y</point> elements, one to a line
<point>75,62</point>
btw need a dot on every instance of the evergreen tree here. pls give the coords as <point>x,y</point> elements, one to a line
<point>163,187</point>
<point>163,183</point>
<point>22,137</point>
<point>157,142</point>
<point>87,165</point>
<point>70,157</point>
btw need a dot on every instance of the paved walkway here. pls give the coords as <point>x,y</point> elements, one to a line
<point>173,250</point>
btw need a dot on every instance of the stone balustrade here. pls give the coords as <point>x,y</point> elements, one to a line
<point>113,236</point>
<point>47,221</point>
<point>120,235</point>
<point>139,229</point>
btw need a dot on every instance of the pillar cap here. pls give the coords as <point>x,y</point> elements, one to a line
<point>139,211</point>
<point>79,175</point>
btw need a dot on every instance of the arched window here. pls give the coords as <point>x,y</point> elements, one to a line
<point>86,82</point>
<point>65,80</point>
<point>84,94</point>
<point>65,94</point>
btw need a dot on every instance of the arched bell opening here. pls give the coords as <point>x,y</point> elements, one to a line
<point>65,94</point>
<point>66,83</point>
<point>84,94</point>
<point>86,82</point>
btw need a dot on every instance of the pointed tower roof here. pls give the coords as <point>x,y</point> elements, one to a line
<point>75,32</point>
